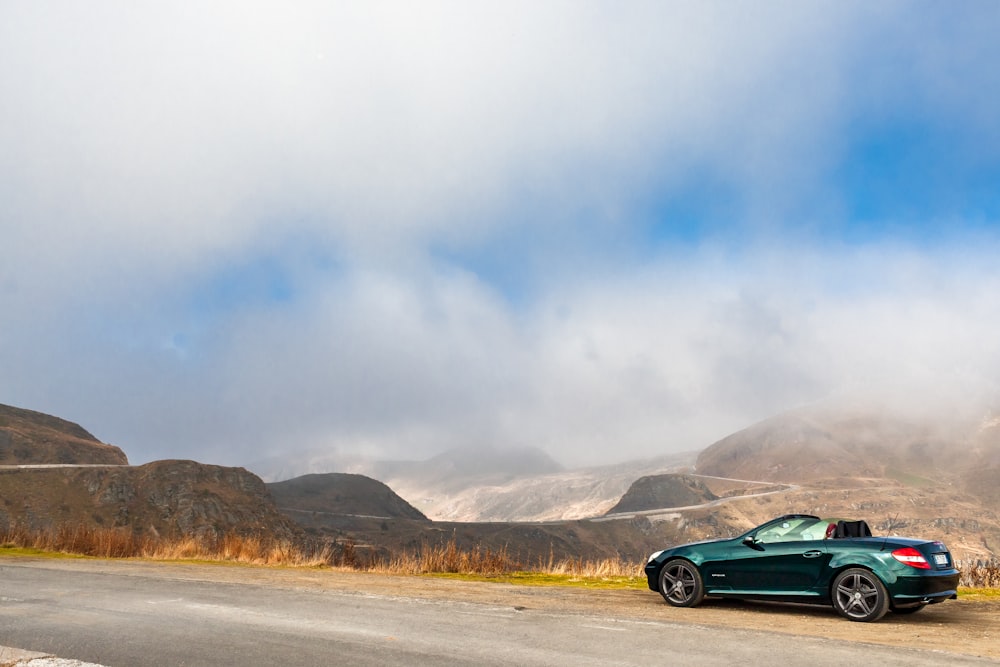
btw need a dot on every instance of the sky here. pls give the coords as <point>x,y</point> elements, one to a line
<point>231,231</point>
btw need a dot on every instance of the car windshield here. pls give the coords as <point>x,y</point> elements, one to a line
<point>793,530</point>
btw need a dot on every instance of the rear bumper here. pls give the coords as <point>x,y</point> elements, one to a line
<point>935,587</point>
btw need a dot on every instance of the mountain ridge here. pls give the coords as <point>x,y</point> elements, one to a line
<point>29,437</point>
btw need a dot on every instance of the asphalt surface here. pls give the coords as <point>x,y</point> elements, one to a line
<point>157,615</point>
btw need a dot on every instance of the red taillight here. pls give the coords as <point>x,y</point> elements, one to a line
<point>912,557</point>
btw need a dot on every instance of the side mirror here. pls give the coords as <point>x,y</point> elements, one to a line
<point>751,542</point>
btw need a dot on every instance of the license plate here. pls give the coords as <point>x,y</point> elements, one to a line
<point>940,559</point>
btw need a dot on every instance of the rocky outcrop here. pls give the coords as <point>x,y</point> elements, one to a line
<point>655,492</point>
<point>28,437</point>
<point>169,499</point>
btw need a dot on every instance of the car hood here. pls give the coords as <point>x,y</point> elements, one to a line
<point>698,544</point>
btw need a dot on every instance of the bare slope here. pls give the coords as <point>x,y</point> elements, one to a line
<point>28,437</point>
<point>341,493</point>
<point>982,477</point>
<point>164,498</point>
<point>817,443</point>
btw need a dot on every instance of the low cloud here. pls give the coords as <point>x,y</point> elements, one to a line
<point>666,358</point>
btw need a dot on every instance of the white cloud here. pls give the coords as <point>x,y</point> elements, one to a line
<point>154,152</point>
<point>165,131</point>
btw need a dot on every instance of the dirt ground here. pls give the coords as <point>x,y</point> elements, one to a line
<point>969,625</point>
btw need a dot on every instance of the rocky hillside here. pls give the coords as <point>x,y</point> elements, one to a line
<point>170,499</point>
<point>28,437</point>
<point>662,491</point>
<point>165,498</point>
<point>341,493</point>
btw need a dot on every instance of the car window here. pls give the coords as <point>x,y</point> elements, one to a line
<point>792,530</point>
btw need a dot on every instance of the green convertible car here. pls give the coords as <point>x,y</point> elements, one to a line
<point>803,558</point>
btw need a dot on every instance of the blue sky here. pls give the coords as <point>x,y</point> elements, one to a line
<point>387,229</point>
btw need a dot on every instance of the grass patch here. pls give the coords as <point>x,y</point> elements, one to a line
<point>966,593</point>
<point>32,552</point>
<point>909,479</point>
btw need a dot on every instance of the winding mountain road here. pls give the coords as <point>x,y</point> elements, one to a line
<point>712,503</point>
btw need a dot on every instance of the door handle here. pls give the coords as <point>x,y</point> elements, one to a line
<point>815,553</point>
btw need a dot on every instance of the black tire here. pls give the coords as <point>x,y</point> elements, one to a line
<point>858,595</point>
<point>680,583</point>
<point>908,610</point>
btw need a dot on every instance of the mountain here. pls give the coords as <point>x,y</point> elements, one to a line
<point>363,517</point>
<point>517,484</point>
<point>164,498</point>
<point>448,491</point>
<point>365,513</point>
<point>28,437</point>
<point>660,491</point>
<point>341,493</point>
<point>488,484</point>
<point>824,442</point>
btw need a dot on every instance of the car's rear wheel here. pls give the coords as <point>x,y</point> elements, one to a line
<point>680,583</point>
<point>858,595</point>
<point>909,610</point>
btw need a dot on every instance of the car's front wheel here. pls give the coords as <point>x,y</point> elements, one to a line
<point>680,583</point>
<point>858,595</point>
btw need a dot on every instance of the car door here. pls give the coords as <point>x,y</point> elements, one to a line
<point>778,567</point>
<point>773,563</point>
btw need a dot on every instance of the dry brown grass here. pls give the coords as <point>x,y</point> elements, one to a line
<point>122,543</point>
<point>82,540</point>
<point>447,558</point>
<point>259,550</point>
<point>980,574</point>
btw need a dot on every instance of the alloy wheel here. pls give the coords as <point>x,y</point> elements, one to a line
<point>860,596</point>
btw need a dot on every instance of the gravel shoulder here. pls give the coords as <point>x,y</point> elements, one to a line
<point>969,625</point>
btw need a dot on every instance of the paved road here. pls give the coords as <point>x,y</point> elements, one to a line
<point>157,616</point>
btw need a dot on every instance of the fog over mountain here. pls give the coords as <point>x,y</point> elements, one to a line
<point>386,230</point>
<point>493,485</point>
<point>839,439</point>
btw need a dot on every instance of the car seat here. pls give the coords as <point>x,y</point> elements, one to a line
<point>852,529</point>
